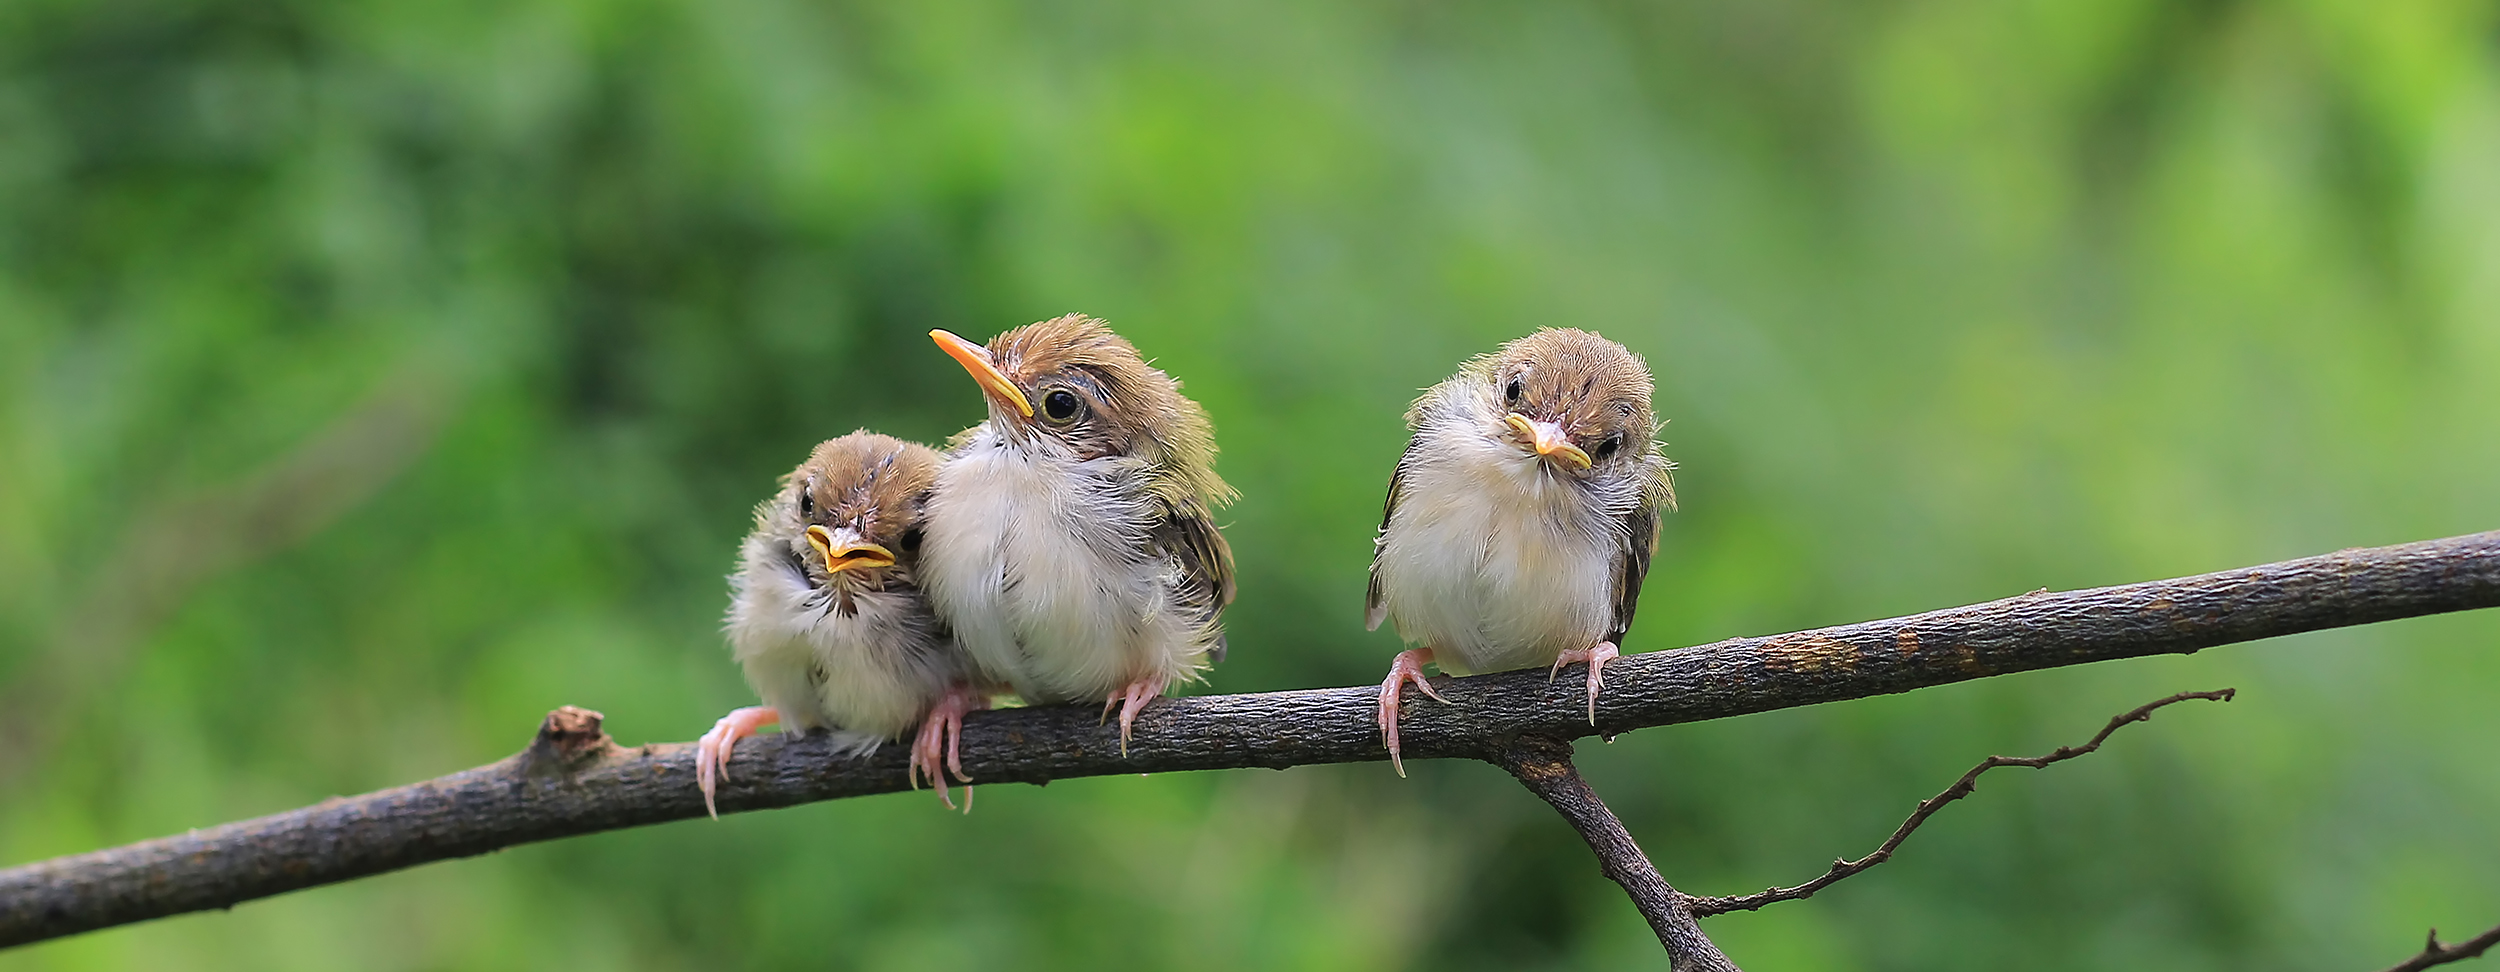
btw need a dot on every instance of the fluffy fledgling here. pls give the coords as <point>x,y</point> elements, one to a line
<point>827,617</point>
<point>1072,543</point>
<point>1522,517</point>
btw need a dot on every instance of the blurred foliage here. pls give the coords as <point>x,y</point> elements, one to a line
<point>376,376</point>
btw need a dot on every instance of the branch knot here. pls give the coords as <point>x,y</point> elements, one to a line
<point>568,738</point>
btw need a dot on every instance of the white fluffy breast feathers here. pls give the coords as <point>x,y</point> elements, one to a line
<point>1045,565</point>
<point>873,670</point>
<point>1492,563</point>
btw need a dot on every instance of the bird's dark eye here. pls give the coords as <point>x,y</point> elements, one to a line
<point>911,541</point>
<point>1514,392</point>
<point>1607,448</point>
<point>807,503</point>
<point>1059,405</point>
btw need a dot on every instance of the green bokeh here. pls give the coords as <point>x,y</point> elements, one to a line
<point>376,375</point>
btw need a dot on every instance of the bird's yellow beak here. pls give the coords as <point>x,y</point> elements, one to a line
<point>1548,440</point>
<point>976,359</point>
<point>847,552</point>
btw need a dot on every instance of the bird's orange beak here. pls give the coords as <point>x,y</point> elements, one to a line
<point>847,551</point>
<point>976,359</point>
<point>1548,440</point>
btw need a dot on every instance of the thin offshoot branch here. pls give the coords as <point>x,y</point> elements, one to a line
<point>1843,868</point>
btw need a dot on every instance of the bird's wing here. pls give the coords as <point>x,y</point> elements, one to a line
<point>1640,543</point>
<point>1188,534</point>
<point>1376,610</point>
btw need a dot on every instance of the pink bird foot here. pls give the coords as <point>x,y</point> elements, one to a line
<point>1409,667</point>
<point>938,747</point>
<point>1132,699</point>
<point>1597,656</point>
<point>711,753</point>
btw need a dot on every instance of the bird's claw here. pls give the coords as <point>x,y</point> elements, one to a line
<point>1132,699</point>
<point>938,748</point>
<point>1597,656</point>
<point>1408,668</point>
<point>712,752</point>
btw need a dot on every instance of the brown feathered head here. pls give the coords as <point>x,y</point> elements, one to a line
<point>852,512</point>
<point>1072,381</point>
<point>1574,398</point>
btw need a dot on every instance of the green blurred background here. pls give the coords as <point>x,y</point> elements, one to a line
<point>375,376</point>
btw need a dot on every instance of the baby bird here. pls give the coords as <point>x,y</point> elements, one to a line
<point>1522,517</point>
<point>1072,543</point>
<point>828,620</point>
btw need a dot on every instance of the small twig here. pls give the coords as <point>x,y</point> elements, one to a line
<point>1543,765</point>
<point>1706,907</point>
<point>2434,953</point>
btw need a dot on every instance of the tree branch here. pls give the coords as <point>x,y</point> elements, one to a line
<point>588,784</point>
<point>1706,907</point>
<point>1544,767</point>
<point>2434,953</point>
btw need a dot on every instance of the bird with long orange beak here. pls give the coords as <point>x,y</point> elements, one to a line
<point>1072,542</point>
<point>1522,517</point>
<point>827,617</point>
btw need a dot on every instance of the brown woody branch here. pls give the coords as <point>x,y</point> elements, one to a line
<point>575,781</point>
<point>1706,907</point>
<point>2435,953</point>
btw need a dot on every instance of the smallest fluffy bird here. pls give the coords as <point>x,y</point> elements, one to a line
<point>1522,517</point>
<point>829,622</point>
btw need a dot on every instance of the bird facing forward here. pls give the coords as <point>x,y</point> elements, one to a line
<point>1522,517</point>
<point>828,620</point>
<point>1072,543</point>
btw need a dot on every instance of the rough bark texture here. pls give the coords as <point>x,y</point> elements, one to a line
<point>1544,767</point>
<point>574,781</point>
